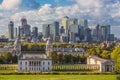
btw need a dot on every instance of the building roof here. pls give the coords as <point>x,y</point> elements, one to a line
<point>100,59</point>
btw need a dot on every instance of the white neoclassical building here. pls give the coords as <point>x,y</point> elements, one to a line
<point>104,64</point>
<point>34,63</point>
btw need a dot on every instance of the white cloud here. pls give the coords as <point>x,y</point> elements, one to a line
<point>89,3</point>
<point>10,4</point>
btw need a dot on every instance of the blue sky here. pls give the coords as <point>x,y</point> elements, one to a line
<point>39,12</point>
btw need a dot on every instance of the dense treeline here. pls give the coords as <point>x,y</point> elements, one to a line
<point>60,58</point>
<point>41,46</point>
<point>33,46</point>
<point>8,58</point>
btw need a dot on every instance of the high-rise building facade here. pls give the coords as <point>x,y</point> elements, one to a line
<point>46,30</point>
<point>25,28</point>
<point>65,24</point>
<point>11,30</point>
<point>15,32</point>
<point>84,23</point>
<point>54,29</point>
<point>35,32</point>
<point>105,32</point>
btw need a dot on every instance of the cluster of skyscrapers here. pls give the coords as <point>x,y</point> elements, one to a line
<point>73,30</point>
<point>70,30</point>
<point>23,31</point>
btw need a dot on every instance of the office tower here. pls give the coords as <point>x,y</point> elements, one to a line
<point>111,37</point>
<point>83,23</point>
<point>105,32</point>
<point>73,32</point>
<point>25,28</point>
<point>72,21</point>
<point>46,30</point>
<point>96,33</point>
<point>11,30</point>
<point>65,24</point>
<point>23,22</point>
<point>16,32</point>
<point>88,37</point>
<point>54,29</point>
<point>35,32</point>
<point>81,33</point>
<point>62,30</point>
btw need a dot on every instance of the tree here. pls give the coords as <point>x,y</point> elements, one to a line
<point>15,59</point>
<point>118,64</point>
<point>115,53</point>
<point>1,59</point>
<point>8,57</point>
<point>60,57</point>
<point>75,58</point>
<point>82,58</point>
<point>91,51</point>
<point>53,56</point>
<point>105,54</point>
<point>67,58</point>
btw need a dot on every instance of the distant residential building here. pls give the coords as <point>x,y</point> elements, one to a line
<point>11,30</point>
<point>3,38</point>
<point>104,64</point>
<point>72,51</point>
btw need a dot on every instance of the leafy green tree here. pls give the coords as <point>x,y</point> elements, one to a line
<point>8,57</point>
<point>67,58</point>
<point>105,54</point>
<point>82,58</point>
<point>1,59</point>
<point>115,53</point>
<point>53,56</point>
<point>91,51</point>
<point>60,57</point>
<point>118,64</point>
<point>75,58</point>
<point>15,59</point>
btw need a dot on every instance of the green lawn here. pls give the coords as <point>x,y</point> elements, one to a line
<point>58,77</point>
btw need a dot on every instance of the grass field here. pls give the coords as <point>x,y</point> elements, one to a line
<point>58,77</point>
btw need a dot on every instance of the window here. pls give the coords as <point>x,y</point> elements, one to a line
<point>48,63</point>
<point>48,68</point>
<point>43,63</point>
<point>25,63</point>
<point>20,68</point>
<point>39,63</point>
<point>43,68</point>
<point>26,68</point>
<point>20,63</point>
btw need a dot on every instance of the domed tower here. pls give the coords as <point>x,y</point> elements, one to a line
<point>49,47</point>
<point>23,21</point>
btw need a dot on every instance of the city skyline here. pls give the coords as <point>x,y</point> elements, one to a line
<point>39,12</point>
